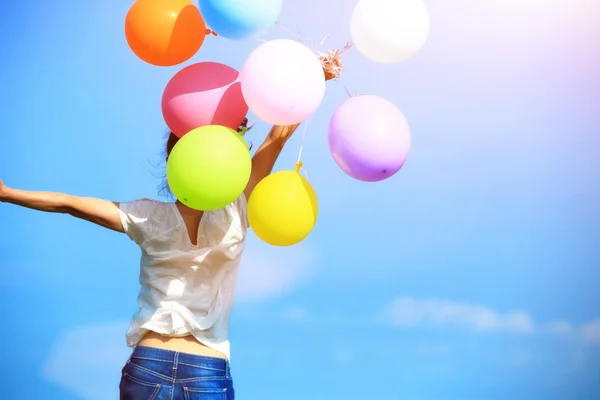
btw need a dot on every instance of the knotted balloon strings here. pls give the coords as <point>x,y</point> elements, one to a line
<point>332,62</point>
<point>299,162</point>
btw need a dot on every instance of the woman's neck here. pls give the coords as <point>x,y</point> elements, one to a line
<point>185,210</point>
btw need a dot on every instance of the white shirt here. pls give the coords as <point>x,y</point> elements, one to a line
<point>185,288</point>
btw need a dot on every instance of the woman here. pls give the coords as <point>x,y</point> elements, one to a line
<point>188,273</point>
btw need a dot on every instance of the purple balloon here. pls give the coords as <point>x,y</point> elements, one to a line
<point>369,138</point>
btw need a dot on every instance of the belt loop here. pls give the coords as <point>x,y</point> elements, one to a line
<point>175,360</point>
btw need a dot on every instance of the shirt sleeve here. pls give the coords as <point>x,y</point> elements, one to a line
<point>136,218</point>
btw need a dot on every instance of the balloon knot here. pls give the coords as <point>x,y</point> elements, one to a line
<point>298,166</point>
<point>244,128</point>
<point>211,32</point>
<point>332,62</point>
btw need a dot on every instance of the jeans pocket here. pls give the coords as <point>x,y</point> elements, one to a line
<point>132,388</point>
<point>205,393</point>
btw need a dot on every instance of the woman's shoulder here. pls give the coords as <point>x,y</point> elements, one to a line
<point>152,201</point>
<point>145,206</point>
<point>144,201</point>
<point>144,218</point>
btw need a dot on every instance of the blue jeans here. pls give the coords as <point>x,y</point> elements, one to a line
<point>156,374</point>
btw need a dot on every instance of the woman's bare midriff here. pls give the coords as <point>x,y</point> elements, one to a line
<point>186,344</point>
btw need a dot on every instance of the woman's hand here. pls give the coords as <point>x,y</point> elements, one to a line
<point>3,191</point>
<point>281,134</point>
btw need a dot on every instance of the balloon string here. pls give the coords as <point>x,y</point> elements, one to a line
<point>307,41</point>
<point>294,35</point>
<point>346,87</point>
<point>326,38</point>
<point>303,141</point>
<point>348,92</point>
<point>347,47</point>
<point>288,31</point>
<point>305,172</point>
<point>299,169</point>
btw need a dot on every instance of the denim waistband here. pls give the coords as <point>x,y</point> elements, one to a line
<point>175,357</point>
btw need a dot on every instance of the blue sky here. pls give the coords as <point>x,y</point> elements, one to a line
<point>471,274</point>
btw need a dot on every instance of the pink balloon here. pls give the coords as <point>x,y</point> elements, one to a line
<point>283,82</point>
<point>206,93</point>
<point>369,138</point>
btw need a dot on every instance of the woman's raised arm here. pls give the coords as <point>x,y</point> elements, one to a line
<point>266,155</point>
<point>101,212</point>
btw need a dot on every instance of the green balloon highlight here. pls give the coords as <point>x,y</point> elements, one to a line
<point>209,167</point>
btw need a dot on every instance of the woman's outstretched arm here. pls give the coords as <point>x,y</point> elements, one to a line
<point>102,212</point>
<point>266,155</point>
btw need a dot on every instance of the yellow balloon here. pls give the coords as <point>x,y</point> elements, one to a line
<point>283,208</point>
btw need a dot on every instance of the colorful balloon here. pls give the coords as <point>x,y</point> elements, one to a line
<point>389,31</point>
<point>164,32</point>
<point>283,82</point>
<point>209,168</point>
<point>369,138</point>
<point>283,208</point>
<point>206,93</point>
<point>239,19</point>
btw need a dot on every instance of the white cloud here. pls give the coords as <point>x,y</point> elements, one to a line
<point>558,327</point>
<point>591,332</point>
<point>88,361</point>
<point>407,311</point>
<point>268,271</point>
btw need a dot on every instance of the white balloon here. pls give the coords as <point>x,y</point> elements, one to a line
<point>389,31</point>
<point>283,82</point>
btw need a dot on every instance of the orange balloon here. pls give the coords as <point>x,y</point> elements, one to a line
<point>164,32</point>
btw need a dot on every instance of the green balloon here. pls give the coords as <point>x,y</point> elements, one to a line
<point>209,167</point>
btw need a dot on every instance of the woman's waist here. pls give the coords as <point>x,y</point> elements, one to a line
<point>183,344</point>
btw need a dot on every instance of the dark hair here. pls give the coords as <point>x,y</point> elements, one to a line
<point>172,140</point>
